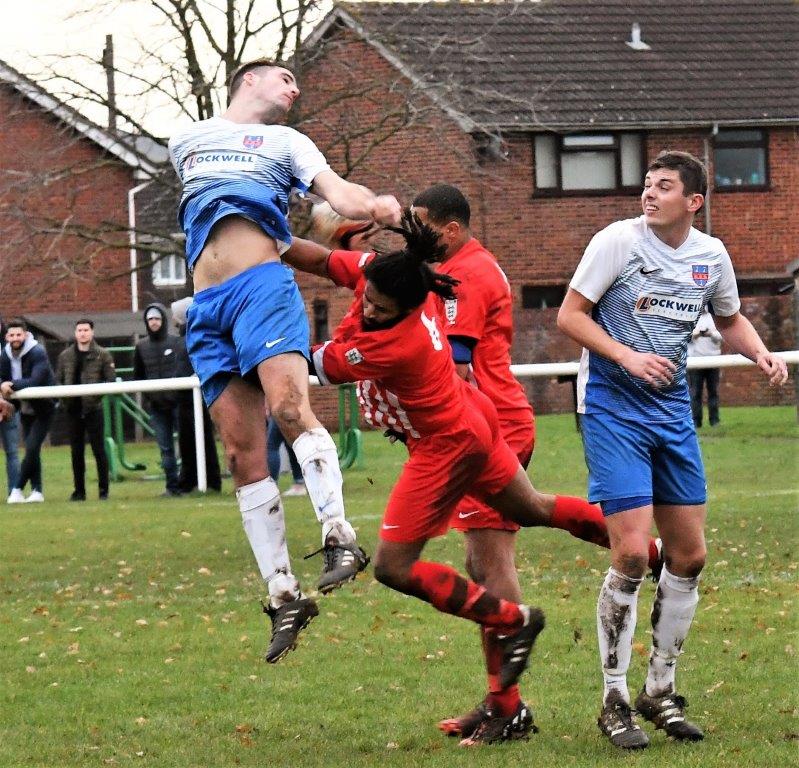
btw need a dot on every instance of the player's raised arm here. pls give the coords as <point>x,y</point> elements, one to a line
<point>742,337</point>
<point>574,319</point>
<point>355,201</point>
<point>307,256</point>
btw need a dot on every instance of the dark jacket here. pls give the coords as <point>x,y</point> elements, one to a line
<point>158,357</point>
<point>97,367</point>
<point>36,372</point>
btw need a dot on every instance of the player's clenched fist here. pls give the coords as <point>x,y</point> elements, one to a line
<point>387,210</point>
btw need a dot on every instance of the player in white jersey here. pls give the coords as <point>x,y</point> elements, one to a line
<point>247,332</point>
<point>632,304</point>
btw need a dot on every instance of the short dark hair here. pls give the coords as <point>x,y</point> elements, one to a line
<point>405,275</point>
<point>693,173</point>
<point>444,203</point>
<point>234,83</point>
<point>85,321</point>
<point>17,322</point>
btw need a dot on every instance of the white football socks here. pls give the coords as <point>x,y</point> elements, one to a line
<point>317,455</point>
<point>672,614</point>
<point>615,623</point>
<point>264,523</point>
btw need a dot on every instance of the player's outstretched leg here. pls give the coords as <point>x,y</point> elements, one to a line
<point>343,558</point>
<point>284,379</point>
<point>264,523</point>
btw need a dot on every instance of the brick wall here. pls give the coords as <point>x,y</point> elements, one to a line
<point>48,172</point>
<point>536,240</point>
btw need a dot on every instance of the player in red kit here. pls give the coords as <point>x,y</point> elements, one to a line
<point>479,325</point>
<point>409,384</point>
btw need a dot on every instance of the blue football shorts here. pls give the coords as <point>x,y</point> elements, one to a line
<point>232,327</point>
<point>647,462</point>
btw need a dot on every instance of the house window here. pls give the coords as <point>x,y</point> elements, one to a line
<point>169,270</point>
<point>740,160</point>
<point>542,296</point>
<point>320,327</point>
<point>588,163</point>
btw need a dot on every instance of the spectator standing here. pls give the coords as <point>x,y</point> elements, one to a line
<point>9,436</point>
<point>187,479</point>
<point>156,357</point>
<point>24,363</point>
<point>705,342</point>
<point>85,362</point>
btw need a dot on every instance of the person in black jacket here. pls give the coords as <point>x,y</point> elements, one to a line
<point>157,357</point>
<point>85,362</point>
<point>188,451</point>
<point>24,363</point>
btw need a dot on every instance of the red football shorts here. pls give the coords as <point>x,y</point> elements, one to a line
<point>472,513</point>
<point>471,458</point>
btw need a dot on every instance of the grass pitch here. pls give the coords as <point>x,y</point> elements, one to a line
<point>131,632</point>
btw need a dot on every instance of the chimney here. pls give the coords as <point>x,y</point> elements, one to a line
<point>635,42</point>
<point>108,65</point>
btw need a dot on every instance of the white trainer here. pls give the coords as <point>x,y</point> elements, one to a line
<point>36,497</point>
<point>297,489</point>
<point>15,497</point>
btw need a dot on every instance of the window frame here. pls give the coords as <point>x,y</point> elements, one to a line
<point>619,189</point>
<point>172,282</point>
<point>763,144</point>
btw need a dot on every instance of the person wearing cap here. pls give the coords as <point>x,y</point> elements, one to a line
<point>157,357</point>
<point>187,479</point>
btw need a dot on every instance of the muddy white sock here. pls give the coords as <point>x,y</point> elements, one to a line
<point>264,523</point>
<point>317,455</point>
<point>672,614</point>
<point>615,623</point>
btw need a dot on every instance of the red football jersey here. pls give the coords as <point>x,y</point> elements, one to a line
<point>345,268</point>
<point>407,380</point>
<point>483,311</point>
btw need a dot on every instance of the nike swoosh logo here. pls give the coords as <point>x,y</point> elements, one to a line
<point>464,515</point>
<point>270,344</point>
<point>649,271</point>
<point>389,527</point>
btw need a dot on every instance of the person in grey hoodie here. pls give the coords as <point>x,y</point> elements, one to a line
<point>24,363</point>
<point>157,357</point>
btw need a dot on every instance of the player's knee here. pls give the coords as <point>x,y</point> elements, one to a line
<point>631,563</point>
<point>390,571</point>
<point>288,415</point>
<point>687,564</point>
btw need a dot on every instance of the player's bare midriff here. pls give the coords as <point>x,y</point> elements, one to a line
<point>235,244</point>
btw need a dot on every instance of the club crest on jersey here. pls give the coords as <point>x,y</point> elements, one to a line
<point>451,310</point>
<point>700,274</point>
<point>353,356</point>
<point>253,142</point>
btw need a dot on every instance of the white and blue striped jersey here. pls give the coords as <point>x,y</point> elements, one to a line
<point>244,169</point>
<point>648,296</point>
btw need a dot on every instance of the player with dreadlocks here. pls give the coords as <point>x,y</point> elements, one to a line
<point>409,384</point>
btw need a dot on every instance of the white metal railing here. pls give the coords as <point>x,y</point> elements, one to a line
<point>535,370</point>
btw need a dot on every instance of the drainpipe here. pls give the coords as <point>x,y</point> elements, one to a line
<point>713,133</point>
<point>134,272</point>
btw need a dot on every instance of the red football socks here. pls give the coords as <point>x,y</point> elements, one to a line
<point>585,521</point>
<point>582,520</point>
<point>502,701</point>
<point>445,589</point>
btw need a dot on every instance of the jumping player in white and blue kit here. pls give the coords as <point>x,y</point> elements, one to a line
<point>633,303</point>
<point>247,332</point>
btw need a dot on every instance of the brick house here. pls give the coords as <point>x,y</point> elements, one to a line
<point>60,173</point>
<point>546,113</point>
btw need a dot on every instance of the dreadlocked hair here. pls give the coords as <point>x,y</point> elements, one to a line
<point>406,275</point>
